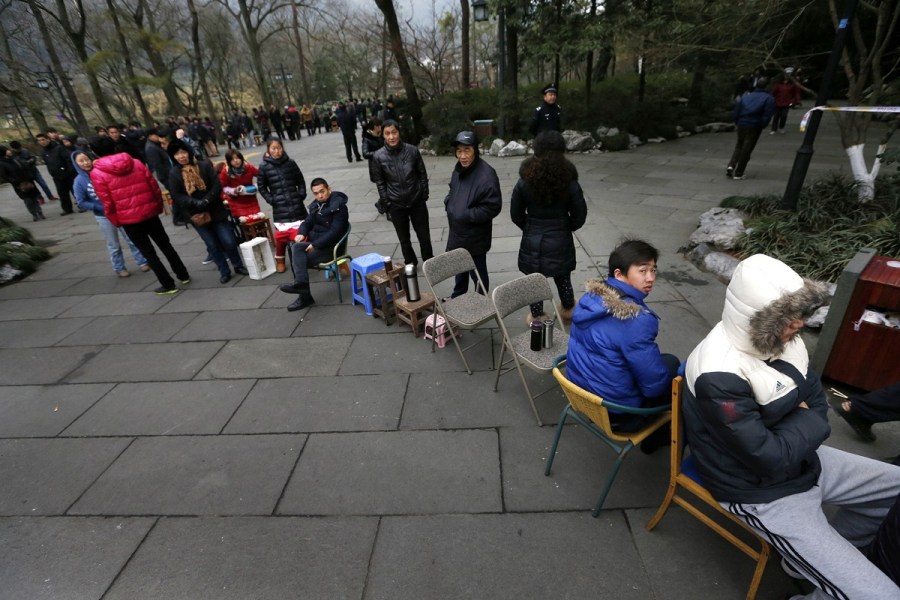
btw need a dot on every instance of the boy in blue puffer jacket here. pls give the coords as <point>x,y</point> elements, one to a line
<point>612,346</point>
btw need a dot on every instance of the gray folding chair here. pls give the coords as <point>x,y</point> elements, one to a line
<point>468,311</point>
<point>510,297</point>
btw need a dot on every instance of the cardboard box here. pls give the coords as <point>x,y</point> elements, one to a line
<point>258,258</point>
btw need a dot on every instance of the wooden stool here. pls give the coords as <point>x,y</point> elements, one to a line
<point>411,313</point>
<point>384,288</point>
<point>259,228</point>
<point>167,202</point>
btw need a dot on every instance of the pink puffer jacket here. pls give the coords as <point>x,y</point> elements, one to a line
<point>127,189</point>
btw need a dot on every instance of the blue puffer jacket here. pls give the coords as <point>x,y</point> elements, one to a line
<point>612,349</point>
<point>754,109</point>
<point>83,189</point>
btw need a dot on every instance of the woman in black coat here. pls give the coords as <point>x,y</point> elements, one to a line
<point>281,184</point>
<point>21,176</point>
<point>195,189</point>
<point>548,205</point>
<point>371,143</point>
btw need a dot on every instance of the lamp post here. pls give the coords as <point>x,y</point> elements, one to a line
<point>284,77</point>
<point>53,84</point>
<point>480,14</point>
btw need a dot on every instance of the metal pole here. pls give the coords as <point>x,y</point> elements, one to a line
<point>287,92</point>
<point>501,67</point>
<point>805,152</point>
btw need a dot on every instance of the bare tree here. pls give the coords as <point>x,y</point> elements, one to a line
<point>412,95</point>
<point>198,58</point>
<point>15,82</point>
<point>129,65</point>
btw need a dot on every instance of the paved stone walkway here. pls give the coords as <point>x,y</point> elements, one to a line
<point>212,445</point>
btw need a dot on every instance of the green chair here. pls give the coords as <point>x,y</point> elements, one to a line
<point>340,259</point>
<point>591,412</point>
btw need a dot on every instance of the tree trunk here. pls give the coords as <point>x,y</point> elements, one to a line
<point>511,79</point>
<point>464,42</point>
<point>256,62</point>
<point>159,68</point>
<point>698,80</point>
<point>589,62</point>
<point>79,122</point>
<point>412,95</point>
<point>129,66</point>
<point>198,54</point>
<point>304,78</point>
<point>385,44</point>
<point>864,178</point>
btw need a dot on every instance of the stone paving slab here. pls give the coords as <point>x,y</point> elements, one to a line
<point>44,411</point>
<point>382,353</point>
<point>681,328</point>
<point>112,284</point>
<point>579,472</point>
<point>38,333</point>
<point>220,298</point>
<point>400,472</point>
<point>718,571</point>
<point>36,289</point>
<point>247,557</point>
<point>129,329</point>
<point>47,308</point>
<point>506,556</point>
<point>188,475</point>
<point>236,325</point>
<point>60,557</point>
<point>146,362</point>
<point>341,320</point>
<point>459,401</point>
<point>162,408</point>
<point>23,366</point>
<point>322,404</point>
<point>136,303</point>
<point>44,477</point>
<point>291,357</point>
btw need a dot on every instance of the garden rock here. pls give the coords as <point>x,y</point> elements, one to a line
<point>721,265</point>
<point>578,141</point>
<point>634,141</point>
<point>512,149</point>
<point>656,140</point>
<point>612,131</point>
<point>719,227</point>
<point>818,318</point>
<point>496,146</point>
<point>602,131</point>
<point>718,127</point>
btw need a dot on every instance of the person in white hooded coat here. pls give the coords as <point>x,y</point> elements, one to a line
<point>755,418</point>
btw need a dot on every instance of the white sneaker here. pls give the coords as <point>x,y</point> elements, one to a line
<point>771,133</point>
<point>738,177</point>
<point>781,132</point>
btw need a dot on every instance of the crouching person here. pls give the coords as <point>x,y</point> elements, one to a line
<point>316,238</point>
<point>756,418</point>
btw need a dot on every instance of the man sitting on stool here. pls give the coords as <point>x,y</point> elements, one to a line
<point>320,231</point>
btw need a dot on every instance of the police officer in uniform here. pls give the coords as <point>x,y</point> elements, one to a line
<point>547,116</point>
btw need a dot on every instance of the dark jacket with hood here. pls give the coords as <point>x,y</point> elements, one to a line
<point>17,171</point>
<point>371,144</point>
<point>472,203</point>
<point>158,161</point>
<point>754,110</point>
<point>612,344</point>
<point>547,245</point>
<point>399,174</point>
<point>58,161</point>
<point>200,201</point>
<point>749,436</point>
<point>327,221</point>
<point>281,184</point>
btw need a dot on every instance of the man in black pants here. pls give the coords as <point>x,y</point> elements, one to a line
<point>398,172</point>
<point>347,123</point>
<point>752,114</point>
<point>59,164</point>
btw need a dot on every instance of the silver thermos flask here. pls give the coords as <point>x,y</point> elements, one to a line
<point>412,284</point>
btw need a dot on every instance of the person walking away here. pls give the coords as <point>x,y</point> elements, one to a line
<point>787,94</point>
<point>316,238</point>
<point>281,184</point>
<point>87,199</point>
<point>18,173</point>
<point>372,142</point>
<point>547,116</point>
<point>132,200</point>
<point>56,157</point>
<point>751,115</point>
<point>197,193</point>
<point>21,154</point>
<point>347,123</point>
<point>548,205</point>
<point>399,174</point>
<point>276,121</point>
<point>472,203</point>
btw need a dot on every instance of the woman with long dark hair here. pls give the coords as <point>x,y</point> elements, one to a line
<point>548,205</point>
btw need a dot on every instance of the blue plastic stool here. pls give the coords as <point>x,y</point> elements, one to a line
<point>359,268</point>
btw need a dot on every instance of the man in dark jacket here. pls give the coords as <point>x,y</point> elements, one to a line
<point>347,123</point>
<point>548,115</point>
<point>276,121</point>
<point>22,154</point>
<point>472,203</point>
<point>751,115</point>
<point>157,157</point>
<point>59,164</point>
<point>756,417</point>
<point>398,172</point>
<point>315,241</point>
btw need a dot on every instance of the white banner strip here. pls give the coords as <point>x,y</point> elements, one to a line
<point>875,109</point>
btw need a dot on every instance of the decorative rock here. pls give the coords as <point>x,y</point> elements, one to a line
<point>684,134</point>
<point>496,146</point>
<point>719,227</point>
<point>513,149</point>
<point>818,318</point>
<point>612,131</point>
<point>634,141</point>
<point>656,140</point>
<point>720,264</point>
<point>719,127</point>
<point>578,141</point>
<point>602,131</point>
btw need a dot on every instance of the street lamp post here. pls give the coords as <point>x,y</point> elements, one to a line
<point>284,77</point>
<point>480,13</point>
<point>44,85</point>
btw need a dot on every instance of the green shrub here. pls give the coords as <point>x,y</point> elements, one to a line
<point>827,230</point>
<point>17,248</point>
<point>616,143</point>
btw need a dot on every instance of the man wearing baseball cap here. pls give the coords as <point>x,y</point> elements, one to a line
<point>547,116</point>
<point>472,203</point>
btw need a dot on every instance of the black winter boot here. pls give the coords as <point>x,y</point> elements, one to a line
<point>305,299</point>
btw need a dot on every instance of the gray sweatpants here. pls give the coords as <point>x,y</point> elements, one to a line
<point>826,552</point>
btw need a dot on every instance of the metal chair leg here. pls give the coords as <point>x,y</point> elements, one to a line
<point>559,430</point>
<point>611,478</point>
